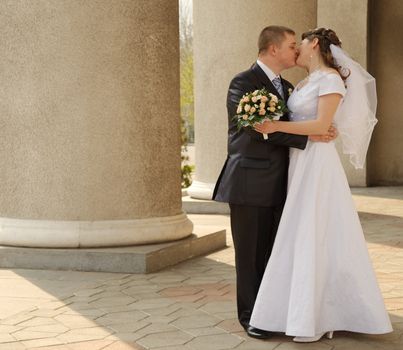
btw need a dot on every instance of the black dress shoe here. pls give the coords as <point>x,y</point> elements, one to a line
<point>258,333</point>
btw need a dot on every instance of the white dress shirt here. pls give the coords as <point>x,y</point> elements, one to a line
<point>267,70</point>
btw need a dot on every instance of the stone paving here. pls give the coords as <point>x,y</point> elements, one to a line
<point>189,306</point>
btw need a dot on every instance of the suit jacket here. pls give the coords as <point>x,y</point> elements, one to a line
<point>255,172</point>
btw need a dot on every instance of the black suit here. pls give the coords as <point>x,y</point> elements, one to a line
<point>254,182</point>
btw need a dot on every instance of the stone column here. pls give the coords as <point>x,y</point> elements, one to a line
<point>89,135</point>
<point>348,18</point>
<point>225,43</point>
<point>385,161</point>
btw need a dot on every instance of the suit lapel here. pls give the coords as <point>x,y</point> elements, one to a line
<point>285,89</point>
<point>264,80</point>
<point>285,117</point>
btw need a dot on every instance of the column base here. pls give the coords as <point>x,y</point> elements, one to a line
<point>81,234</point>
<point>200,206</point>
<point>139,259</point>
<point>201,190</point>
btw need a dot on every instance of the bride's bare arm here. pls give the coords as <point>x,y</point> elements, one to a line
<point>327,107</point>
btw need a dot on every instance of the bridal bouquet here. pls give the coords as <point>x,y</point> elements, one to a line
<point>258,106</point>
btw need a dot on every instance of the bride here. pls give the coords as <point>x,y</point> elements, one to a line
<point>319,278</point>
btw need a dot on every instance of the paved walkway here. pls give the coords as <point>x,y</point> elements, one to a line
<point>189,306</point>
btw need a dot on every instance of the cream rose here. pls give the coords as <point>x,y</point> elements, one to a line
<point>246,108</point>
<point>239,110</point>
<point>262,112</point>
<point>272,109</point>
<point>245,117</point>
<point>264,99</point>
<point>254,99</point>
<point>252,110</point>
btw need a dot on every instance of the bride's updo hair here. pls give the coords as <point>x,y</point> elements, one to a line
<point>326,37</point>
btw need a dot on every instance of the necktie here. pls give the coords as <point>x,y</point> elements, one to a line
<point>279,87</point>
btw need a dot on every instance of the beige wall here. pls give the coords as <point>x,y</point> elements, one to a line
<point>225,43</point>
<point>89,105</point>
<point>386,59</point>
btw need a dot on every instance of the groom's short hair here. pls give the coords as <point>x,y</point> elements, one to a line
<point>272,35</point>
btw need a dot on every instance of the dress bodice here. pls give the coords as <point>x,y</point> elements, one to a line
<point>303,102</point>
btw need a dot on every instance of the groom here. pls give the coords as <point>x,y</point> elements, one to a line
<point>254,177</point>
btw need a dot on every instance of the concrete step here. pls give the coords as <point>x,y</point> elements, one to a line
<point>133,259</point>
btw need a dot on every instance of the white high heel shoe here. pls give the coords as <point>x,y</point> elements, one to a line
<point>329,335</point>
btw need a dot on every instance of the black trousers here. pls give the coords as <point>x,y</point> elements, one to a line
<point>253,232</point>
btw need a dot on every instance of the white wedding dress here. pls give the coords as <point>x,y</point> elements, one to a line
<point>319,277</point>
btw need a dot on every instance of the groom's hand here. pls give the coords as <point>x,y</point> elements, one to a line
<point>331,135</point>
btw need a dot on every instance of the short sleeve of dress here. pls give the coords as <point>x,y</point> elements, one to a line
<point>331,84</point>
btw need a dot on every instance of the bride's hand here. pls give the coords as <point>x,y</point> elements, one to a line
<point>267,127</point>
<point>330,136</point>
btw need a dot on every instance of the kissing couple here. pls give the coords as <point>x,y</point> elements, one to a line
<point>301,259</point>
